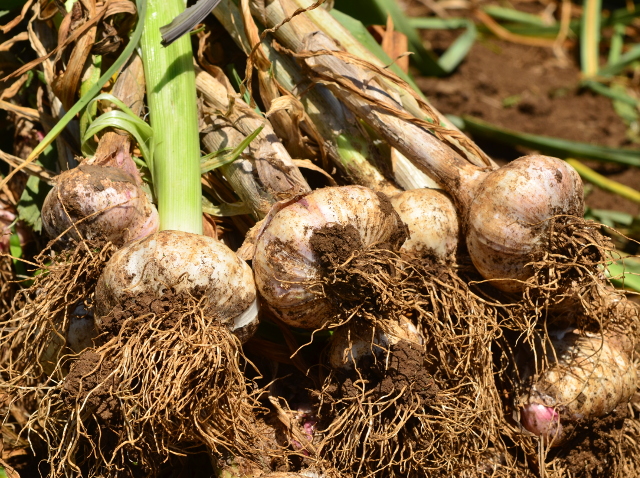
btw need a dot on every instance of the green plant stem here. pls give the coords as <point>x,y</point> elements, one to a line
<point>603,182</point>
<point>171,97</point>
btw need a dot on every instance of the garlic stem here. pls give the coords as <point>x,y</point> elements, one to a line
<point>277,176</point>
<point>171,97</point>
<point>345,142</point>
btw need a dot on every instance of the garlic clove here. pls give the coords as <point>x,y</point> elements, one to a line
<point>508,220</point>
<point>98,203</point>
<point>287,269</point>
<point>592,375</point>
<point>432,220</point>
<point>186,263</point>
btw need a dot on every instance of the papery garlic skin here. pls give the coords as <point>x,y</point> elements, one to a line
<point>287,270</point>
<point>432,220</point>
<point>98,203</point>
<point>593,374</point>
<point>349,345</point>
<point>509,218</point>
<point>185,262</point>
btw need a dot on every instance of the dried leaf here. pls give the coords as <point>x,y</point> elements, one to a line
<point>9,26</point>
<point>12,91</point>
<point>77,34</point>
<point>393,43</point>
<point>66,83</point>
<point>22,36</point>
<point>305,163</point>
<point>287,103</point>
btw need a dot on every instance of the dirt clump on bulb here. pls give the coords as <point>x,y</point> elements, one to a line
<point>402,368</point>
<point>91,380</point>
<point>592,452</point>
<point>335,243</point>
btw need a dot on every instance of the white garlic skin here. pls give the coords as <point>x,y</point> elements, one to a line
<point>349,345</point>
<point>104,203</point>
<point>508,220</point>
<point>432,220</point>
<point>285,265</point>
<point>185,262</point>
<point>593,374</point>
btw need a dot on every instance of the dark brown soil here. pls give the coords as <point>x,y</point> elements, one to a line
<point>528,89</point>
<point>141,305</point>
<point>592,452</point>
<point>333,244</point>
<point>90,381</point>
<point>403,371</point>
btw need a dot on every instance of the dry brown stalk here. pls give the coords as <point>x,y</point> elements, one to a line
<point>230,120</point>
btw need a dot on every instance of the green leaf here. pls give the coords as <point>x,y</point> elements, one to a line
<point>516,16</point>
<point>376,11</point>
<point>590,37</point>
<point>435,23</point>
<point>625,273</point>
<point>608,217</point>
<point>359,31</point>
<point>224,209</point>
<point>15,249</point>
<point>561,148</point>
<point>625,59</point>
<point>125,120</point>
<point>215,160</point>
<point>30,202</point>
<point>459,49</point>
<point>615,92</point>
<point>617,42</point>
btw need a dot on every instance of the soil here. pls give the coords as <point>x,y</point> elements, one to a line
<point>90,380</point>
<point>333,244</point>
<point>528,89</point>
<point>403,369</point>
<point>141,305</point>
<point>600,438</point>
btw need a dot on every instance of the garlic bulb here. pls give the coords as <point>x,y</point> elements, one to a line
<point>184,262</point>
<point>350,344</point>
<point>98,203</point>
<point>508,221</point>
<point>593,374</point>
<point>299,238</point>
<point>432,221</point>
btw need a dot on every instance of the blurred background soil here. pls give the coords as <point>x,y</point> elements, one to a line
<point>529,89</point>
